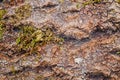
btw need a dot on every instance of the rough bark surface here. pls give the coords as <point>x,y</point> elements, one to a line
<point>91,48</point>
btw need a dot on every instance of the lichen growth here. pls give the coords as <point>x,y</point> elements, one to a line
<point>77,5</point>
<point>97,1</point>
<point>2,29</point>
<point>118,52</point>
<point>23,11</point>
<point>13,69</point>
<point>91,2</point>
<point>40,77</point>
<point>30,37</point>
<point>61,1</point>
<point>118,1</point>
<point>2,13</point>
<point>25,39</point>
<point>87,3</point>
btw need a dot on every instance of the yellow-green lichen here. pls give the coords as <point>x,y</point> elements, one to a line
<point>1,30</point>
<point>118,52</point>
<point>91,2</point>
<point>77,5</point>
<point>2,13</point>
<point>118,1</point>
<point>25,39</point>
<point>23,11</point>
<point>30,37</point>
<point>13,69</point>
<point>40,77</point>
<point>18,40</point>
<point>86,3</point>
<point>61,1</point>
<point>97,1</point>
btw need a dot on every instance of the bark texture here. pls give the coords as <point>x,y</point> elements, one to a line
<point>91,48</point>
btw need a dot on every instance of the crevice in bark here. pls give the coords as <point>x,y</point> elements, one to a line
<point>49,6</point>
<point>41,67</point>
<point>115,51</point>
<point>24,69</point>
<point>97,76</point>
<point>103,31</point>
<point>1,1</point>
<point>71,11</point>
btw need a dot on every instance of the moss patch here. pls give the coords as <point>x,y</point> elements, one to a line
<point>61,1</point>
<point>1,30</point>
<point>30,38</point>
<point>118,52</point>
<point>118,1</point>
<point>91,2</point>
<point>2,13</point>
<point>23,11</point>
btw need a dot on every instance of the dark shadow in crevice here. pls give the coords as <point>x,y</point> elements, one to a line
<point>85,39</point>
<point>71,11</point>
<point>43,67</point>
<point>97,76</point>
<point>68,38</point>
<point>49,6</point>
<point>72,39</point>
<point>1,1</point>
<point>115,51</point>
<point>98,32</point>
<point>16,29</point>
<point>24,69</point>
<point>19,53</point>
<point>15,72</point>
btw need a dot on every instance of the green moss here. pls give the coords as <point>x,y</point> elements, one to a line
<point>23,11</point>
<point>2,13</point>
<point>13,70</point>
<point>61,1</point>
<point>30,37</point>
<point>18,40</point>
<point>78,6</point>
<point>87,3</point>
<point>118,52</point>
<point>40,77</point>
<point>91,2</point>
<point>97,1</point>
<point>1,30</point>
<point>25,39</point>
